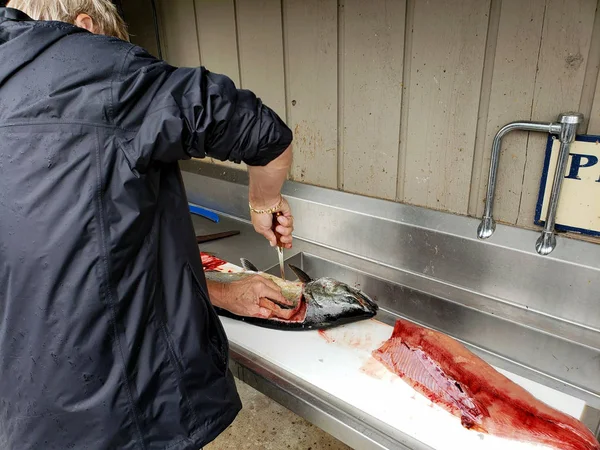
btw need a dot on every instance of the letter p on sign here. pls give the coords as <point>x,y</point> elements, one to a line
<point>579,161</point>
<point>579,202</point>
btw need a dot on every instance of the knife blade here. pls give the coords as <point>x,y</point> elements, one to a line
<point>279,243</point>
<point>215,236</point>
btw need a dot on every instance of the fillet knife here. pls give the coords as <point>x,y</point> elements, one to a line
<point>279,243</point>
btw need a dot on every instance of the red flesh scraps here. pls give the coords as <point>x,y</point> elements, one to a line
<point>448,374</point>
<point>210,262</point>
<point>297,315</point>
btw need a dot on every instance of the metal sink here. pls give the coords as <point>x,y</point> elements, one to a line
<point>535,317</point>
<point>494,330</point>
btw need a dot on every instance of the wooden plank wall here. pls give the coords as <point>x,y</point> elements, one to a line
<point>401,99</point>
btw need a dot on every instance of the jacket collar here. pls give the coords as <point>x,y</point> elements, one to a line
<point>13,14</point>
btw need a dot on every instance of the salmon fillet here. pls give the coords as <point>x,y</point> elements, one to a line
<point>451,376</point>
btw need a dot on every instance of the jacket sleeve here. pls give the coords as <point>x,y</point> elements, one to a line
<point>171,114</point>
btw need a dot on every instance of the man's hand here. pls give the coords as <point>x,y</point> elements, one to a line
<point>265,193</point>
<point>263,224</point>
<point>251,297</point>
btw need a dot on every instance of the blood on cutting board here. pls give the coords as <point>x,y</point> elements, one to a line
<point>210,262</point>
<point>349,338</point>
<point>375,369</point>
<point>325,336</point>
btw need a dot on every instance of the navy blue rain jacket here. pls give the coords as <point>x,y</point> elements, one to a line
<point>107,336</point>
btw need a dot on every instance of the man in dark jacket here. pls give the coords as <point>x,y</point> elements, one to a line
<point>108,339</point>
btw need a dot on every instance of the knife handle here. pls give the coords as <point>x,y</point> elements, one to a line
<point>275,223</point>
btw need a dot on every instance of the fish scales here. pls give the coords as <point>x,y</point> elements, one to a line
<point>445,371</point>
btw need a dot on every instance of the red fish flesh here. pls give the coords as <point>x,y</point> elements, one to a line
<point>210,262</point>
<point>451,376</point>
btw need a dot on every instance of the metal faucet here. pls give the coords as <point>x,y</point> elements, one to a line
<point>566,129</point>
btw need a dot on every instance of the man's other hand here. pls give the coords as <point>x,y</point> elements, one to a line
<point>265,193</point>
<point>250,297</point>
<point>263,224</point>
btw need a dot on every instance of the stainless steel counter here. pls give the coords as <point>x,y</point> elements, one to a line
<point>535,316</point>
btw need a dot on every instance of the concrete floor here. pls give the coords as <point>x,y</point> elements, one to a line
<point>264,424</point>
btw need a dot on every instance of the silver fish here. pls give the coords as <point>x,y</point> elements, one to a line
<point>316,304</point>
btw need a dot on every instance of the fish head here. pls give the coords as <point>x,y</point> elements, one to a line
<point>336,300</point>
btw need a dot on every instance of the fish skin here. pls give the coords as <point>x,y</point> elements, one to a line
<point>324,302</point>
<point>446,372</point>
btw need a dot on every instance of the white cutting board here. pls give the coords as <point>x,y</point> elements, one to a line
<point>339,362</point>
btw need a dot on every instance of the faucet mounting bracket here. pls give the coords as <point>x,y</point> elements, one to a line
<point>566,129</point>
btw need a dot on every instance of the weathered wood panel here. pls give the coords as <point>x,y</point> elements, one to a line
<point>401,99</point>
<point>217,37</point>
<point>406,69</point>
<point>140,22</point>
<point>311,54</point>
<point>372,76</point>
<point>260,42</point>
<point>484,101</point>
<point>511,97</point>
<point>216,23</point>
<point>179,37</point>
<point>564,51</point>
<point>445,81</point>
<point>594,126</point>
<point>592,80</point>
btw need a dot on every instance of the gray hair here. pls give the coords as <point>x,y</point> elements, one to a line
<point>103,13</point>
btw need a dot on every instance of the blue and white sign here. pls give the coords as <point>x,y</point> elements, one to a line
<point>579,202</point>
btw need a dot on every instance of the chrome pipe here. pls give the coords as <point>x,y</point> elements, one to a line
<point>488,224</point>
<point>566,129</point>
<point>569,123</point>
